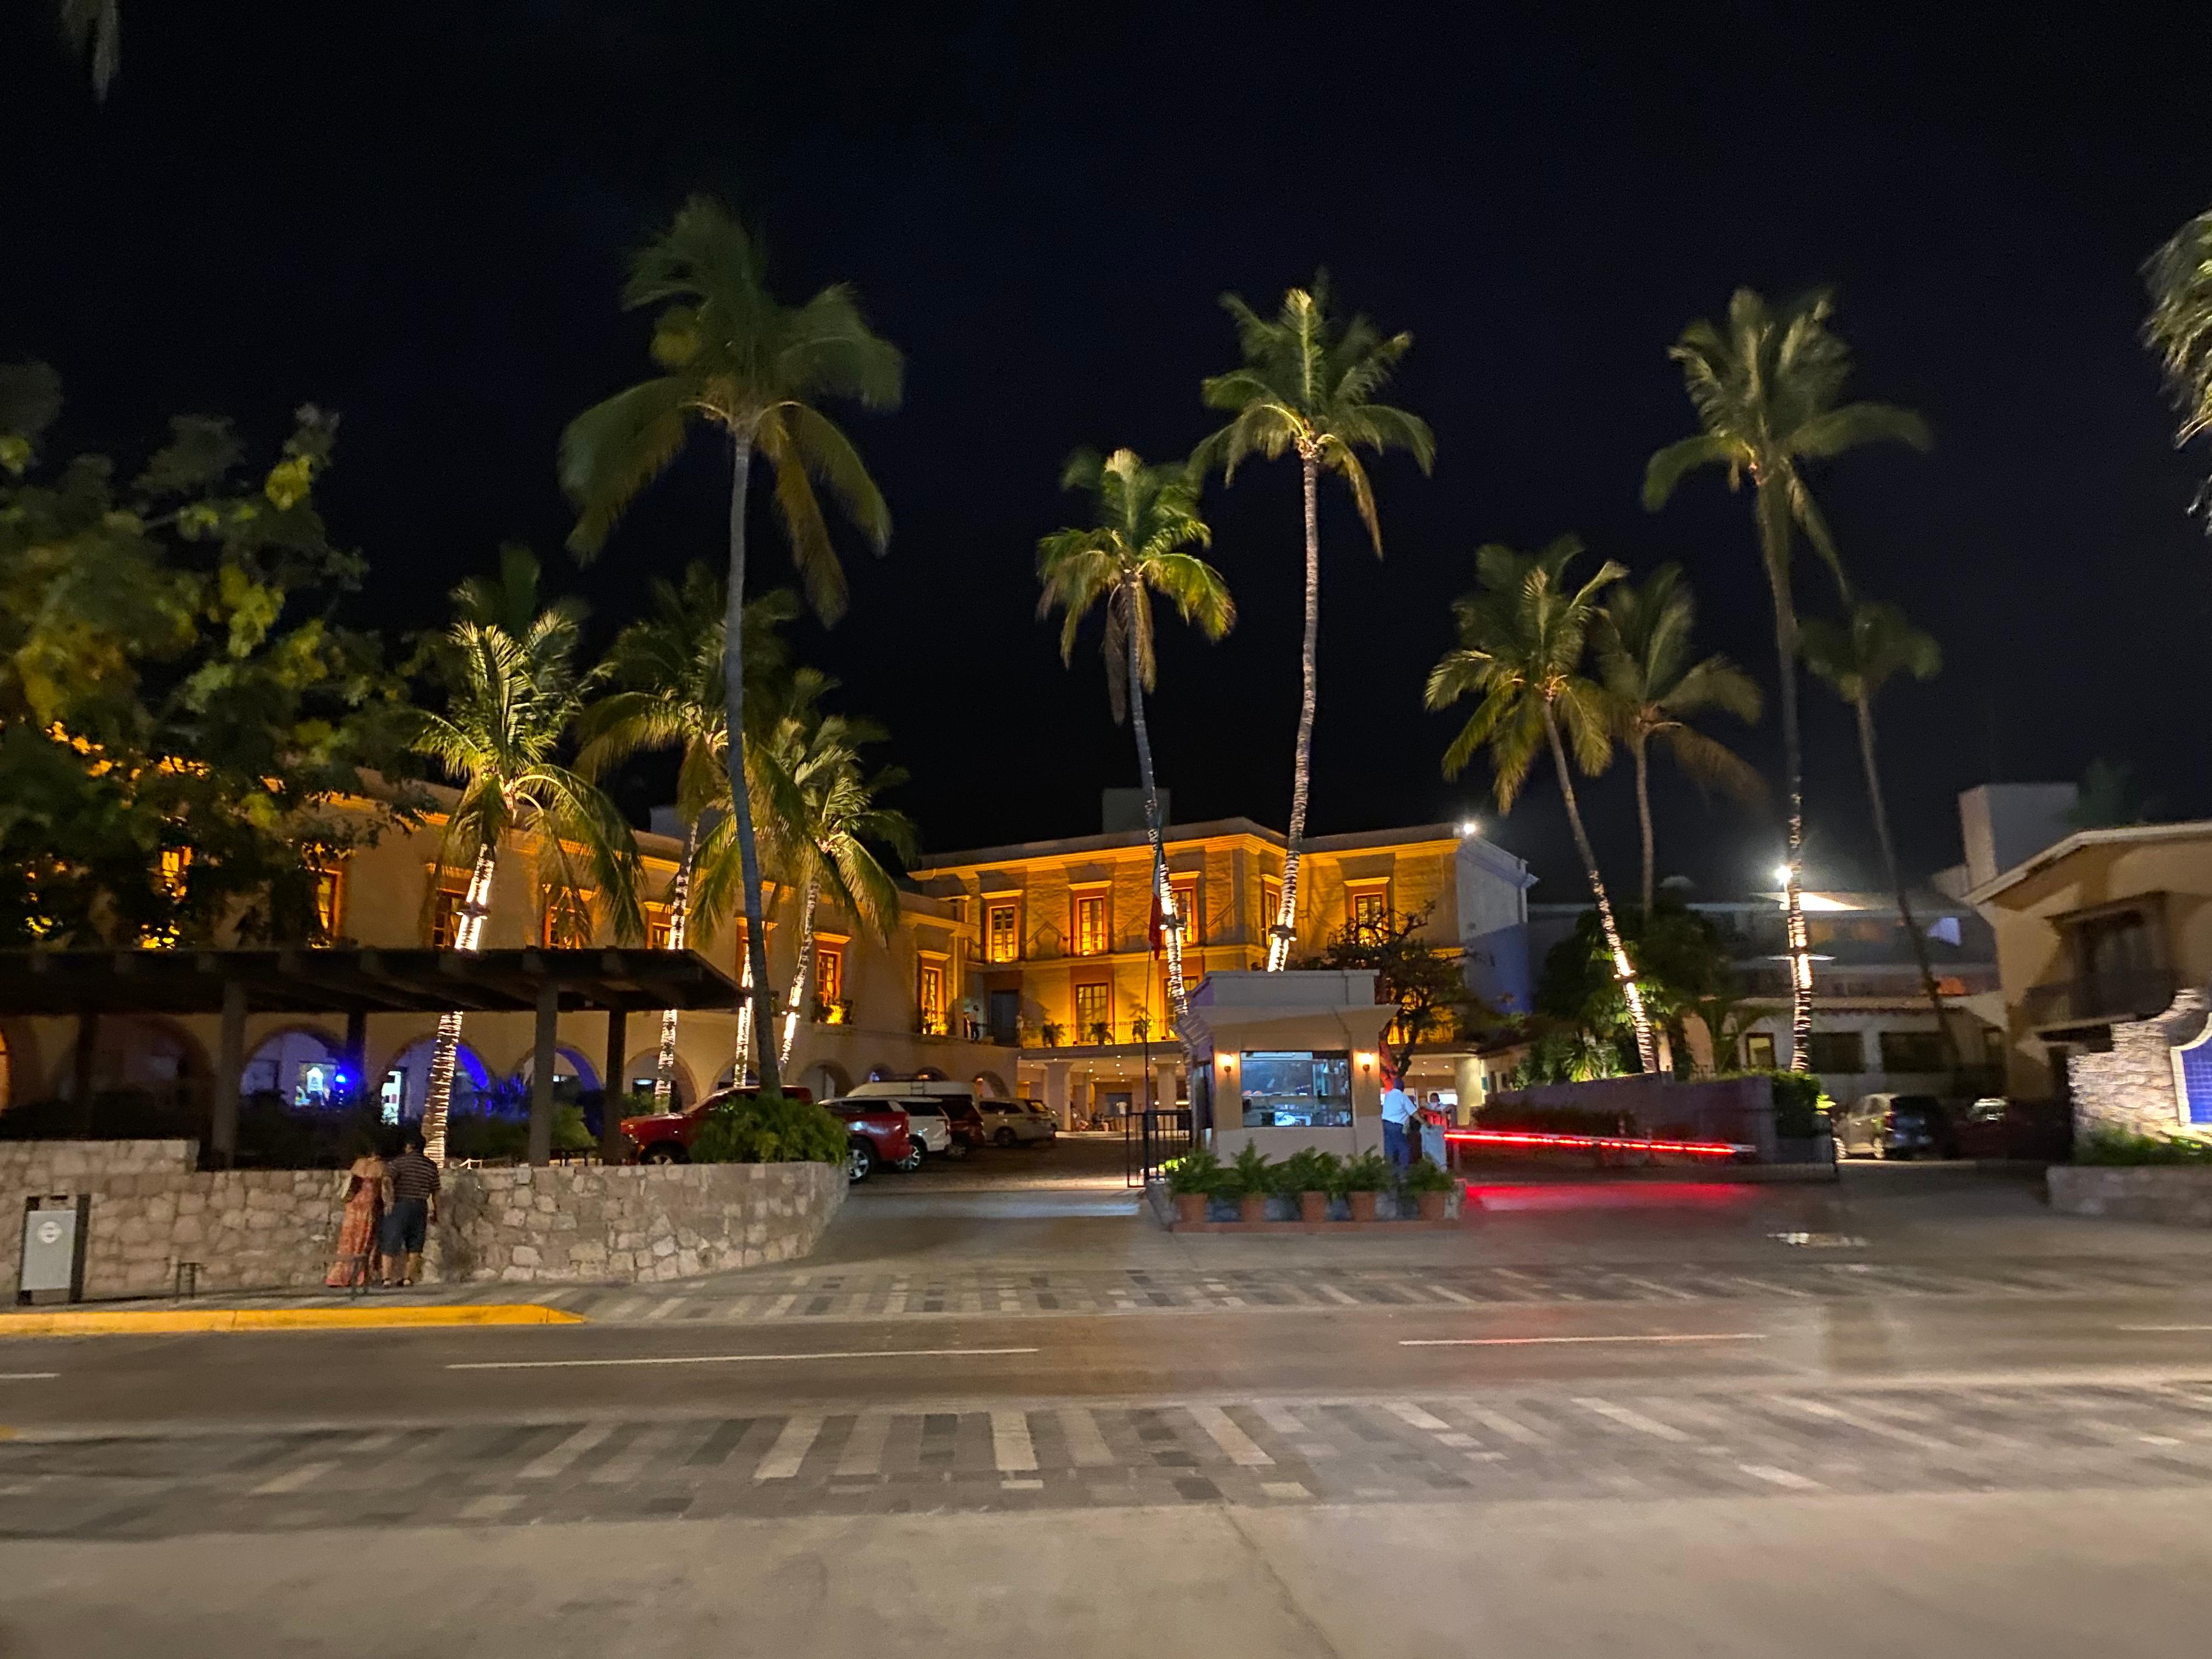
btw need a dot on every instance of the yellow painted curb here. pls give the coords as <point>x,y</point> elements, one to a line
<point>157,1321</point>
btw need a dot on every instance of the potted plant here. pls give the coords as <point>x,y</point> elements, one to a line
<point>1311,1175</point>
<point>1050,1031</point>
<point>1430,1187</point>
<point>1360,1181</point>
<point>1193,1179</point>
<point>1250,1177</point>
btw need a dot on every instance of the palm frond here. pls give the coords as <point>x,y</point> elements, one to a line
<point>614,449</point>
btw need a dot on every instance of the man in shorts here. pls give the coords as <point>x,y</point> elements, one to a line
<point>414,1183</point>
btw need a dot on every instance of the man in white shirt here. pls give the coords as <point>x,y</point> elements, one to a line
<point>1397,1117</point>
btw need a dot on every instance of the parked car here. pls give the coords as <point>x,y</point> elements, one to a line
<point>1896,1125</point>
<point>968,1130</point>
<point>875,1131</point>
<point>930,1103</point>
<point>1016,1122</point>
<point>1994,1127</point>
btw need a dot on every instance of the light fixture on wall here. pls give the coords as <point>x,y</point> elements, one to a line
<point>1365,1060</point>
<point>1469,829</point>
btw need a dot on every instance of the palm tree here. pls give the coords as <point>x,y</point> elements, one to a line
<point>1143,517</point>
<point>512,690</point>
<point>2179,329</point>
<point>1522,635</point>
<point>95,28</point>
<point>1857,657</point>
<point>1764,386</point>
<point>1644,652</point>
<point>736,357</point>
<point>1306,385</point>
<point>825,823</point>
<point>669,665</point>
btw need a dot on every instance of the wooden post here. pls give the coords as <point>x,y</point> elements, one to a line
<point>611,1106</point>
<point>87,1037</point>
<point>541,1074</point>
<point>230,1061</point>
<point>355,1058</point>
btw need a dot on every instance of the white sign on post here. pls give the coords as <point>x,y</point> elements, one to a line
<point>49,1250</point>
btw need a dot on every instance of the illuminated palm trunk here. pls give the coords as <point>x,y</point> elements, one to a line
<point>742,1055</point>
<point>1156,828</point>
<point>1278,946</point>
<point>467,933</point>
<point>679,929</point>
<point>1774,543</point>
<point>1647,1049</point>
<point>757,1005</point>
<point>802,977</point>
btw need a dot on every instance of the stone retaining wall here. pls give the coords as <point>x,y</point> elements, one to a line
<point>2130,1087</point>
<point>2173,1194</point>
<point>276,1229</point>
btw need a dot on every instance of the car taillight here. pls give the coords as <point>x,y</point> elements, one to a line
<point>1889,1119</point>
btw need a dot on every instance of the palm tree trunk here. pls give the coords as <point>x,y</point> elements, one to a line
<point>1170,923</point>
<point>1647,1048</point>
<point>1774,544</point>
<point>802,976</point>
<point>679,930</point>
<point>467,933</point>
<point>1279,947</point>
<point>741,803</point>
<point>1896,882</point>
<point>1638,747</point>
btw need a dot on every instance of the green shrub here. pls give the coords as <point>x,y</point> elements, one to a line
<point>1367,1173</point>
<point>769,1129</point>
<point>1426,1177</point>
<point>1249,1174</point>
<point>2119,1146</point>
<point>1309,1171</point>
<point>1195,1172</point>
<point>486,1137</point>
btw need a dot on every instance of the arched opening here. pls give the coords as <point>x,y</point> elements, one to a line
<point>573,1074</point>
<point>991,1087</point>
<point>638,1076</point>
<point>144,1054</point>
<point>830,1080</point>
<point>406,1082</point>
<point>300,1066</point>
<point>929,1075</point>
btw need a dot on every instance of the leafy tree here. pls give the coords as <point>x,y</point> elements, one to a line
<point>177,710</point>
<point>2110,796</point>
<point>668,667</point>
<point>1857,657</point>
<point>734,356</point>
<point>1646,660</point>
<point>1680,961</point>
<point>1307,385</point>
<point>1143,517</point>
<point>1521,636</point>
<point>1412,972</point>
<point>512,690</point>
<point>1765,387</point>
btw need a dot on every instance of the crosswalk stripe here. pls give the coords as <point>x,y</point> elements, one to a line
<point>667,1308</point>
<point>624,1309</point>
<point>547,1464</point>
<point>1657,1288</point>
<point>1281,1419</point>
<point>1499,1423</point>
<point>1773,1476</point>
<point>1406,1412</point>
<point>1012,1449</point>
<point>1451,1295</point>
<point>1335,1295</point>
<point>306,1476</point>
<point>790,1448</point>
<point>1863,1425</point>
<point>780,1306</point>
<point>864,1447</point>
<point>1084,1443</point>
<point>1631,1419</point>
<point>1222,1430</point>
<point>628,1463</point>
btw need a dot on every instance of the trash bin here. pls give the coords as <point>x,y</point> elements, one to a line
<point>54,1233</point>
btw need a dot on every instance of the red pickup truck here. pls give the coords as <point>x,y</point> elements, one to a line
<point>876,1131</point>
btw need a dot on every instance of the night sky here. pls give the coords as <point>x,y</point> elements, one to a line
<point>419,215</point>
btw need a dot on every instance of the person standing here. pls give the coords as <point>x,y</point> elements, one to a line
<point>414,1183</point>
<point>1398,1124</point>
<point>358,1230</point>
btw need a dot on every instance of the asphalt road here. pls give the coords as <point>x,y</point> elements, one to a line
<point>493,1374</point>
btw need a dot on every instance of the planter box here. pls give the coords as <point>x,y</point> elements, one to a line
<point>1285,1214</point>
<point>2179,1195</point>
<point>1808,1149</point>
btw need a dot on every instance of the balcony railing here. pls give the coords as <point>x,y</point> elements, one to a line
<point>2100,999</point>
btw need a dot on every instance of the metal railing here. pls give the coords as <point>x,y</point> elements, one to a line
<point>1150,1138</point>
<point>2135,994</point>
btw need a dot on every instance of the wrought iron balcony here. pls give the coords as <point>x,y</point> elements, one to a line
<point>2100,999</point>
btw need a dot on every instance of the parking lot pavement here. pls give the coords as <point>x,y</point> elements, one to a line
<point>1575,1443</point>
